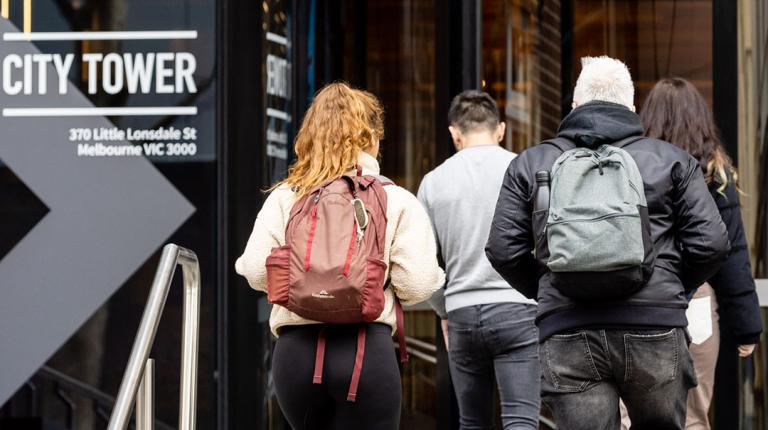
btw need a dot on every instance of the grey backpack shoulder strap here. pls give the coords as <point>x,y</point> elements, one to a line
<point>560,143</point>
<point>564,144</point>
<point>627,141</point>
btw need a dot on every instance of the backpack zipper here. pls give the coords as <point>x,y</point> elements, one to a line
<point>600,165</point>
<point>351,249</point>
<point>311,233</point>
<point>600,218</point>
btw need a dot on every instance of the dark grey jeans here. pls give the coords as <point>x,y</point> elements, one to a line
<point>585,372</point>
<point>499,339</point>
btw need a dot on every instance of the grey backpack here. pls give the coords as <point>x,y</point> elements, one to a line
<point>597,229</point>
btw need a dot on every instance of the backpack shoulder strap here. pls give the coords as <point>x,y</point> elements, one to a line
<point>560,143</point>
<point>627,141</point>
<point>564,144</point>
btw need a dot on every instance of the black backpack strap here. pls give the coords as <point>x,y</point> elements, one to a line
<point>627,141</point>
<point>560,143</point>
<point>564,144</point>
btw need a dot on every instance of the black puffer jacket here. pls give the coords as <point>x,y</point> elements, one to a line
<point>689,237</point>
<point>733,284</point>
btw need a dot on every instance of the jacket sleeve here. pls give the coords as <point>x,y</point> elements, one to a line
<point>510,241</point>
<point>413,267</point>
<point>701,234</point>
<point>733,284</point>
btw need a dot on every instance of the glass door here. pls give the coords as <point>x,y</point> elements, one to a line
<point>387,47</point>
<point>521,56</point>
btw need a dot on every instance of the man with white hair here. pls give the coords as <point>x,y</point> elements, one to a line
<point>608,331</point>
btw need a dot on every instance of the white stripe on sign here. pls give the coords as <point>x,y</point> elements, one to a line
<point>274,113</point>
<point>99,35</point>
<point>272,37</point>
<point>100,111</point>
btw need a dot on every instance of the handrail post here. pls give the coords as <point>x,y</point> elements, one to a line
<point>145,399</point>
<point>171,256</point>
<point>190,336</point>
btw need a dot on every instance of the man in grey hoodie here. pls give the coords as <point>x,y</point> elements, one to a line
<point>488,325</point>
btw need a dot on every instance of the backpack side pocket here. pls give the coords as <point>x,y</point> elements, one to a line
<point>279,275</point>
<point>372,296</point>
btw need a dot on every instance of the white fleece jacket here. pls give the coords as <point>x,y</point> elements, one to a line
<point>410,251</point>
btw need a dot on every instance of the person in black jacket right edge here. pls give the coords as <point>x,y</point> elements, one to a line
<point>675,111</point>
<point>636,348</point>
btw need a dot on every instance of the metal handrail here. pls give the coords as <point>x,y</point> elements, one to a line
<point>67,390</point>
<point>78,387</point>
<point>412,341</point>
<point>139,370</point>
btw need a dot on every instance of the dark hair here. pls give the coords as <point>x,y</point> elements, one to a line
<point>472,110</point>
<point>675,111</point>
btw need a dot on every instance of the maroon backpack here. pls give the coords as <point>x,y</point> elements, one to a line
<point>332,267</point>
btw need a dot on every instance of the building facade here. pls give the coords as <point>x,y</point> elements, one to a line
<point>127,124</point>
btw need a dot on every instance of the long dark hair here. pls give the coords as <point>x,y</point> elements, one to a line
<point>675,111</point>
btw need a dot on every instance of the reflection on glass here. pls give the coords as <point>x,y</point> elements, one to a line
<point>387,48</point>
<point>753,25</point>
<point>419,375</point>
<point>400,71</point>
<point>521,67</point>
<point>761,135</point>
<point>656,39</point>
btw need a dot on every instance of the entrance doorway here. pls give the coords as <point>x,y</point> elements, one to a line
<point>388,48</point>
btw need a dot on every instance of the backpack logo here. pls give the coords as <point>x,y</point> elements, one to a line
<point>323,295</point>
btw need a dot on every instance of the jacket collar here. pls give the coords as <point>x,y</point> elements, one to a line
<point>368,163</point>
<point>599,122</point>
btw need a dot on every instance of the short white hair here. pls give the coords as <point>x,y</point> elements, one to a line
<point>606,79</point>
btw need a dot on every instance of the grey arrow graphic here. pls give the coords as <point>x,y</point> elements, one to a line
<point>107,215</point>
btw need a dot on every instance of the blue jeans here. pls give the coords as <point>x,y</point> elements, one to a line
<point>585,372</point>
<point>500,339</point>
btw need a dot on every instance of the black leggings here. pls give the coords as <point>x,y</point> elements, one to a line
<point>325,406</point>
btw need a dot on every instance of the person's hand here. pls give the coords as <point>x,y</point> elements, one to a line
<point>746,350</point>
<point>444,326</point>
